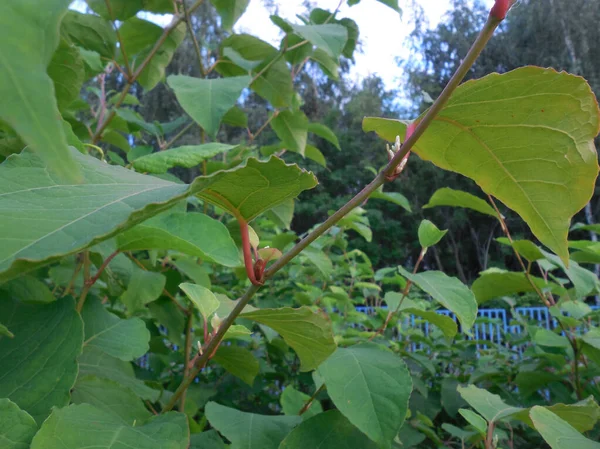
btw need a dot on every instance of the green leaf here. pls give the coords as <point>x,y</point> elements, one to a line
<point>190,233</point>
<point>238,361</point>
<point>144,287</point>
<point>525,248</point>
<point>392,4</point>
<point>545,337</point>
<point>331,38</point>
<point>308,333</point>
<point>319,259</point>
<point>90,32</point>
<point>392,197</point>
<point>207,100</point>
<point>582,415</point>
<point>121,9</point>
<point>371,387</point>
<point>28,289</point>
<point>275,85</point>
<point>475,420</point>
<point>75,216</point>
<point>93,362</point>
<point>496,283</point>
<point>206,440</point>
<point>155,70</point>
<point>558,433</point>
<point>28,102</point>
<point>292,401</point>
<point>292,128</point>
<point>446,324</point>
<point>324,132</point>
<point>488,405</point>
<point>230,11</point>
<point>449,292</point>
<point>314,154</point>
<point>67,72</point>
<point>457,198</point>
<point>17,427</point>
<point>38,366</point>
<point>329,430</point>
<point>592,337</point>
<point>584,281</point>
<point>429,234</point>
<point>110,397</point>
<point>282,214</point>
<point>249,430</point>
<point>124,339</point>
<point>451,400</point>
<point>84,425</point>
<point>204,300</point>
<point>5,331</point>
<point>236,117</point>
<point>328,65</point>
<point>524,136</point>
<point>187,156</point>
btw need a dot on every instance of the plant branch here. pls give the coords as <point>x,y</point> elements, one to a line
<point>188,23</point>
<point>187,351</point>
<point>363,195</point>
<point>119,38</point>
<point>86,284</point>
<point>308,403</point>
<point>177,19</point>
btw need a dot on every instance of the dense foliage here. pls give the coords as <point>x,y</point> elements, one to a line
<point>173,276</point>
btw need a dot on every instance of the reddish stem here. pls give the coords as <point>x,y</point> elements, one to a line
<point>500,9</point>
<point>247,249</point>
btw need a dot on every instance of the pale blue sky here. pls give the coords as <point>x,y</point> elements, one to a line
<point>383,33</point>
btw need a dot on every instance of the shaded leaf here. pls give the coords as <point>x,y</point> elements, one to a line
<point>329,430</point>
<point>230,11</point>
<point>90,32</point>
<point>446,324</point>
<point>17,427</point>
<point>121,9</point>
<point>239,362</point>
<point>110,397</point>
<point>371,387</point>
<point>292,128</point>
<point>84,425</point>
<point>496,283</point>
<point>319,259</point>
<point>187,156</point>
<point>124,339</point>
<point>292,401</point>
<point>38,366</point>
<point>324,132</point>
<point>308,333</point>
<point>28,289</point>
<point>144,287</point>
<point>330,37</point>
<point>449,292</point>
<point>67,72</point>
<point>249,430</point>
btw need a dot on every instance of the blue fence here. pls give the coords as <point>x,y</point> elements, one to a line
<point>492,324</point>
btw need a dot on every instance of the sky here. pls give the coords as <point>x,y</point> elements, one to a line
<point>383,32</point>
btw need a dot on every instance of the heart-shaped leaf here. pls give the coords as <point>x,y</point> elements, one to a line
<point>526,137</point>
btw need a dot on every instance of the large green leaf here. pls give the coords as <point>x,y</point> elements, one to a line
<point>249,430</point>
<point>45,219</point>
<point>17,427</point>
<point>330,37</point>
<point>495,283</point>
<point>239,362</point>
<point>275,84</point>
<point>457,198</point>
<point>192,233</point>
<point>329,430</point>
<point>488,405</point>
<point>526,137</point>
<point>84,425</point>
<point>449,292</point>
<point>93,362</point>
<point>558,433</point>
<point>124,339</point>
<point>207,100</point>
<point>111,397</point>
<point>38,366</point>
<point>187,156</point>
<point>371,387</point>
<point>230,11</point>
<point>90,32</point>
<point>308,333</point>
<point>292,129</point>
<point>28,39</point>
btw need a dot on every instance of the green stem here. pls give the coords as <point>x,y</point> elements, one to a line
<point>188,23</point>
<point>86,281</point>
<point>308,403</point>
<point>119,38</point>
